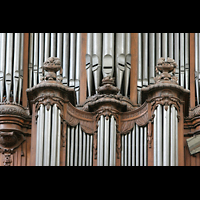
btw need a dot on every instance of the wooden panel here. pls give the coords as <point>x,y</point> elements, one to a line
<point>25,70</point>
<point>83,77</point>
<point>134,67</point>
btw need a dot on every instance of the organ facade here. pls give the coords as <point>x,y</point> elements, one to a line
<point>99,99</point>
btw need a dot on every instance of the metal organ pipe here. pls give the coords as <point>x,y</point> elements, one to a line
<point>96,58</point>
<point>2,64</point>
<point>88,58</point>
<point>108,54</point>
<point>128,63</point>
<point>120,60</point>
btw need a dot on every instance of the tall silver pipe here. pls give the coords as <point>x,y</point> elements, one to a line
<point>171,45</point>
<point>72,59</point>
<point>187,60</point>
<point>37,140</point>
<point>89,62</point>
<point>78,66</point>
<point>21,65</point>
<point>108,54</point>
<point>47,136</point>
<point>84,149</point>
<point>96,58</point>
<point>139,82</point>
<point>80,146</point>
<point>91,150</point>
<point>158,46</point>
<point>137,145</point>
<point>41,55</point>
<point>2,64</point>
<point>76,146</point>
<point>141,146</point>
<point>72,147</point>
<point>68,146</point>
<point>30,67</point>
<point>54,135</point>
<point>35,59</point>
<point>115,137</point>
<point>65,58</point>
<point>176,40</point>
<point>173,137</point>
<point>101,140</point>
<point>112,141</point>
<point>9,57</point>
<point>98,143</point>
<point>58,139</point>
<point>128,63</point>
<point>123,150</point>
<point>129,148</point>
<point>155,136</point>
<point>145,146</point>
<point>166,121</point>
<point>16,65</point>
<point>60,49</point>
<point>133,145</point>
<point>164,45</point>
<point>88,150</point>
<point>182,60</point>
<point>151,57</point>
<point>120,57</point>
<point>53,44</point>
<point>47,46</point>
<point>41,135</point>
<point>176,137</point>
<point>145,59</point>
<point>159,136</point>
<point>126,150</point>
<point>106,141</point>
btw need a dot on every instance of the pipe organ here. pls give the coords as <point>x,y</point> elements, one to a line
<point>99,99</point>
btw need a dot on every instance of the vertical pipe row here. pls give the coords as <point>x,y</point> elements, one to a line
<point>66,46</point>
<point>106,144</point>
<point>11,66</point>
<point>152,46</point>
<point>165,136</point>
<point>48,136</point>
<point>103,52</point>
<point>79,150</point>
<point>134,147</point>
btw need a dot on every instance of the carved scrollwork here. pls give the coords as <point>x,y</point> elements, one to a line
<point>85,119</point>
<point>138,116</point>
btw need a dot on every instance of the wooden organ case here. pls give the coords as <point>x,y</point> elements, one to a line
<point>99,99</point>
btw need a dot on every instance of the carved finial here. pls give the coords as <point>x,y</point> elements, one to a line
<point>52,66</point>
<point>108,86</point>
<point>165,67</point>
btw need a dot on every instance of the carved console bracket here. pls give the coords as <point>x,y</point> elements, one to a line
<point>15,122</point>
